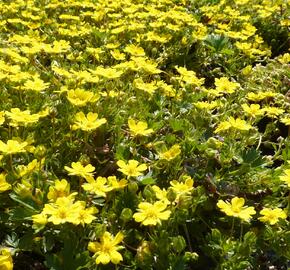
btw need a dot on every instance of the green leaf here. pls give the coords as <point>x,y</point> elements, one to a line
<point>148,181</point>
<point>26,241</point>
<point>53,262</point>
<point>20,214</point>
<point>26,202</point>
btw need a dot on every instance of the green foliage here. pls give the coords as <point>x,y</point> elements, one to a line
<point>144,134</point>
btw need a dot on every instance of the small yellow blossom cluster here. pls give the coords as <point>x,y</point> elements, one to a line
<point>99,186</point>
<point>149,214</point>
<point>233,23</point>
<point>63,210</point>
<point>102,185</point>
<point>236,208</point>
<point>232,123</point>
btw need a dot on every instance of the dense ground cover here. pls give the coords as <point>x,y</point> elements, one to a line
<point>145,134</point>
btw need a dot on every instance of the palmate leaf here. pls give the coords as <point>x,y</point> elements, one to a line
<point>216,43</point>
<point>253,157</point>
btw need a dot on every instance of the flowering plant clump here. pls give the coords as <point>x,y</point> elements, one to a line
<point>145,134</point>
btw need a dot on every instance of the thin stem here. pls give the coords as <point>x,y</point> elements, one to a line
<point>204,222</point>
<point>130,247</point>
<point>11,164</point>
<point>187,237</point>
<point>233,226</point>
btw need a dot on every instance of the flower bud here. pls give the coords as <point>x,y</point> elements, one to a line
<point>143,250</point>
<point>191,256</point>
<point>178,243</point>
<point>148,193</point>
<point>126,214</point>
<point>133,187</point>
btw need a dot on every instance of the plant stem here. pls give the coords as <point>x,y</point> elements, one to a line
<point>233,226</point>
<point>11,164</point>
<point>187,237</point>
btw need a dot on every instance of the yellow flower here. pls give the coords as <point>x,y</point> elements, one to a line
<point>223,84</point>
<point>24,170</point>
<point>80,97</point>
<point>170,154</point>
<point>147,65</point>
<point>109,73</point>
<point>260,96</point>
<point>87,122</point>
<point>146,87</point>
<point>19,117</point>
<point>58,46</point>
<point>61,72</point>
<point>139,128</point>
<point>62,211</point>
<point>84,215</point>
<point>272,215</point>
<point>225,125</point>
<point>134,50</point>
<point>272,112</point>
<point>12,147</point>
<point>239,124</point>
<point>286,177</point>
<point>151,214</point>
<point>115,184</point>
<point>253,110</point>
<point>161,194</point>
<point>96,52</point>
<point>118,55</point>
<point>182,188</point>
<point>3,184</point>
<point>98,186</point>
<point>36,84</point>
<point>206,105</point>
<point>152,36</point>
<point>233,123</point>
<point>80,170</point>
<point>107,249</point>
<point>6,262</point>
<point>188,76</point>
<point>284,59</point>
<point>285,120</point>
<point>236,208</point>
<point>39,220</point>
<point>2,118</point>
<point>61,188</point>
<point>132,168</point>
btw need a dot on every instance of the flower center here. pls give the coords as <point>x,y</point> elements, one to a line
<point>151,213</point>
